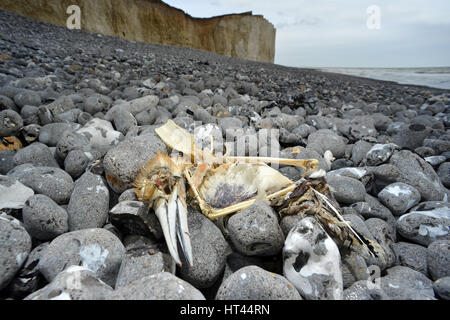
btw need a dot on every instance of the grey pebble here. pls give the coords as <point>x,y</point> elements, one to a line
<point>69,141</point>
<point>346,190</point>
<point>134,218</point>
<point>442,288</point>
<point>425,226</point>
<point>10,123</point>
<point>402,283</point>
<point>254,283</point>
<point>142,262</point>
<point>13,194</point>
<point>27,97</point>
<point>209,251</point>
<point>411,255</point>
<point>438,258</point>
<point>31,132</point>
<point>43,218</point>
<point>74,283</point>
<point>89,203</point>
<point>255,230</point>
<point>6,160</point>
<point>444,174</point>
<point>418,173</point>
<point>76,163</point>
<point>36,153</point>
<point>96,249</point>
<point>361,290</point>
<point>15,245</point>
<point>328,140</point>
<point>399,197</point>
<point>160,286</point>
<point>52,182</point>
<point>51,133</point>
<point>123,162</point>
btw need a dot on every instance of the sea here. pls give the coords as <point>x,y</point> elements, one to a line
<point>435,77</point>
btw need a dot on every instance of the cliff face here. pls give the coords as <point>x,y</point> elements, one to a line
<point>237,35</point>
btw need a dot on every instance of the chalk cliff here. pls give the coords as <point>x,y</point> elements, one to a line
<point>237,35</point>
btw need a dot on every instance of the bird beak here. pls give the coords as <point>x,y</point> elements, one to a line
<point>172,216</point>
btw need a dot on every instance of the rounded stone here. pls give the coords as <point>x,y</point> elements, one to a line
<point>74,283</point>
<point>71,141</point>
<point>416,172</point>
<point>438,258</point>
<point>209,251</point>
<point>379,153</point>
<point>13,193</point>
<point>52,182</point>
<point>6,160</point>
<point>160,286</point>
<point>411,137</point>
<point>254,283</point>
<point>124,120</point>
<point>100,134</point>
<point>385,236</point>
<point>27,97</point>
<point>97,103</point>
<point>76,163</point>
<point>255,230</point>
<point>444,174</point>
<point>442,288</point>
<point>96,249</point>
<point>43,218</point>
<point>360,150</point>
<point>328,140</point>
<point>123,162</point>
<point>15,245</point>
<point>402,283</point>
<point>346,190</point>
<point>424,227</point>
<point>51,133</point>
<point>360,290</point>
<point>36,153</point>
<point>10,123</point>
<point>399,197</point>
<point>412,256</point>
<point>89,204</point>
<point>142,262</point>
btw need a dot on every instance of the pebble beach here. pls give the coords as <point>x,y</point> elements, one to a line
<point>78,113</point>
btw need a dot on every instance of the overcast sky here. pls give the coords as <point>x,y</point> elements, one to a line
<point>325,33</point>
